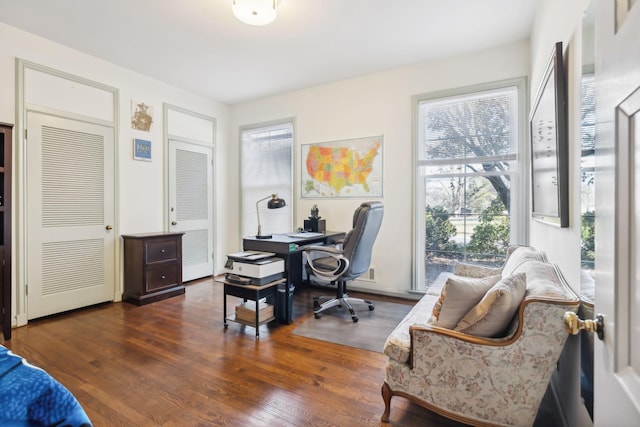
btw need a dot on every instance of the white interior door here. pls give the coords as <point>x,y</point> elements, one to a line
<point>190,205</point>
<point>617,357</point>
<point>70,214</point>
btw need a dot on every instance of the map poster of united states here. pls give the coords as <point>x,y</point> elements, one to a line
<point>347,168</point>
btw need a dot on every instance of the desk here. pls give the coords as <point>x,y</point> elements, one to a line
<point>289,247</point>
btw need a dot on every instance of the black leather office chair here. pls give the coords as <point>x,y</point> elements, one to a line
<point>347,261</point>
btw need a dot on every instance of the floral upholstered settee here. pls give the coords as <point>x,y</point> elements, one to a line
<point>482,349</point>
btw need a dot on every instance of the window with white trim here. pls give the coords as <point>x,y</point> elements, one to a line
<point>471,194</point>
<point>266,158</point>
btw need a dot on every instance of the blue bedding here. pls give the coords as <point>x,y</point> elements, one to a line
<point>31,397</point>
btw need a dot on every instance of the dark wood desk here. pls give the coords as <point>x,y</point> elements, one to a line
<point>289,247</point>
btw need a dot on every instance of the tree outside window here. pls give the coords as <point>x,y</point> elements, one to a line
<point>468,146</point>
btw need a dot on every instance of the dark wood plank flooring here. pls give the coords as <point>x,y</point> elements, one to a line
<point>171,363</point>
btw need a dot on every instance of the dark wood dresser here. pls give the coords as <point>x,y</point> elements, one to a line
<point>5,228</point>
<point>152,267</point>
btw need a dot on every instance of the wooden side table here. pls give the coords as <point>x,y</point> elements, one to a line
<point>252,293</point>
<point>152,267</point>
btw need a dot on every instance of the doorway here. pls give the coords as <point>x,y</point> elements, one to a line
<point>190,205</point>
<point>70,205</point>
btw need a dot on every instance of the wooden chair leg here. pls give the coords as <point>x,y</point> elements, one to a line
<point>387,394</point>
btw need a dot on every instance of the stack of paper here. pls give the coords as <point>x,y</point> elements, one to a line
<point>247,311</point>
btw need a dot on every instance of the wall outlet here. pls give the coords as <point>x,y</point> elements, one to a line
<point>369,276</point>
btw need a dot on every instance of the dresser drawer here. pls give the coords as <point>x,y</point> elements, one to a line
<point>161,250</point>
<point>161,277</point>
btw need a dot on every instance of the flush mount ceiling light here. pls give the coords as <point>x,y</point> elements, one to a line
<point>256,12</point>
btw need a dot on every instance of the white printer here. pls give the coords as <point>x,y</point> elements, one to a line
<point>253,267</point>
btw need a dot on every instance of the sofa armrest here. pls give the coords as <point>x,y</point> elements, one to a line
<point>419,332</point>
<point>474,270</point>
<point>478,377</point>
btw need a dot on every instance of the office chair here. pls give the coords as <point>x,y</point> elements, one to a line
<point>347,261</point>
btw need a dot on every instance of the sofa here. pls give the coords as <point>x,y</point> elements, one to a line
<point>481,348</point>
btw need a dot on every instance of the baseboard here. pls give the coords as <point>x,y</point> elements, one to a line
<point>581,417</point>
<point>353,286</point>
<point>556,406</point>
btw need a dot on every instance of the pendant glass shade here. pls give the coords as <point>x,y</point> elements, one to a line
<point>255,12</point>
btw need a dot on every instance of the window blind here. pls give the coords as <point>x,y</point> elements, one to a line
<point>267,168</point>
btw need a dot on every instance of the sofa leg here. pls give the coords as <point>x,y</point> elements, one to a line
<point>386,396</point>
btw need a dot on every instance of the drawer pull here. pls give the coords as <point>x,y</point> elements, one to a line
<point>164,277</point>
<point>162,251</point>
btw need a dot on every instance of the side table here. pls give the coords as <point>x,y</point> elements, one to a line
<point>253,293</point>
<point>152,267</point>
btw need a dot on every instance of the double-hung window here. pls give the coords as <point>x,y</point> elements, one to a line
<point>266,169</point>
<point>587,173</point>
<point>471,192</point>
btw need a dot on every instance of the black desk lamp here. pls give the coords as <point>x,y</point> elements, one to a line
<point>274,203</point>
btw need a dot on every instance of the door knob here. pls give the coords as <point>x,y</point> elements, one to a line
<point>573,324</point>
<point>174,223</point>
<point>108,227</point>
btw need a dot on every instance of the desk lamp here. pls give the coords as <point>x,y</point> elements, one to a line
<point>274,203</point>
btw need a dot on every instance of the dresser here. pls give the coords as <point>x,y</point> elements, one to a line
<point>152,267</point>
<point>5,228</point>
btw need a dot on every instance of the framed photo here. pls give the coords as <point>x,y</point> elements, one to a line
<point>141,149</point>
<point>549,151</point>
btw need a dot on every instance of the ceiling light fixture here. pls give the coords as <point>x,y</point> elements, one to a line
<point>256,12</point>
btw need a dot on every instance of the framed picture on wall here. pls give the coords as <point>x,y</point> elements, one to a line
<point>141,149</point>
<point>344,168</point>
<point>549,145</point>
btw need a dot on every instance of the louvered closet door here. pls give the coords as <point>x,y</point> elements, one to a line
<point>190,210</point>
<point>70,214</point>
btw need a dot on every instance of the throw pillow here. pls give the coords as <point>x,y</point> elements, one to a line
<point>520,255</point>
<point>491,316</point>
<point>458,295</point>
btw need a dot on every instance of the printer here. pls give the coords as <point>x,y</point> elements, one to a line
<point>253,268</point>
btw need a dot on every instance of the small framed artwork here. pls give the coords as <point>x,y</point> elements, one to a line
<point>141,149</point>
<point>141,116</point>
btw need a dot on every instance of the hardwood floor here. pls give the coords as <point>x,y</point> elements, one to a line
<point>171,363</point>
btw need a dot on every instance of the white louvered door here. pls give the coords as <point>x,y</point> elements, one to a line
<point>70,214</point>
<point>190,210</point>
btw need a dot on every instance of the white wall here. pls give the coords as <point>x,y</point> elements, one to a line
<point>141,198</point>
<point>140,190</point>
<point>371,105</point>
<point>562,21</point>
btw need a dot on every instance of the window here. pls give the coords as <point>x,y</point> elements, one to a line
<point>470,197</point>
<point>587,174</point>
<point>266,168</point>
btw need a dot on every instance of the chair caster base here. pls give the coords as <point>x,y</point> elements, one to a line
<point>317,315</point>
